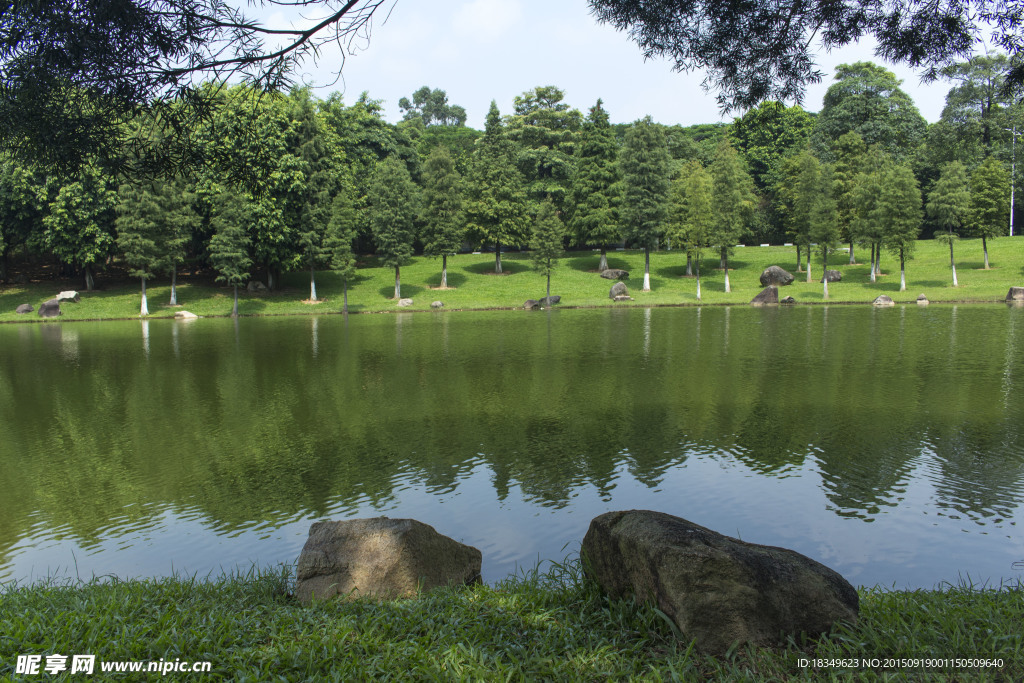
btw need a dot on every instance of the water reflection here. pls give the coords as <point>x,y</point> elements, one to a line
<point>854,435</point>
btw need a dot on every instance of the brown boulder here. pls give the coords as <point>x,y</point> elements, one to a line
<point>615,274</point>
<point>49,309</point>
<point>768,295</point>
<point>883,300</point>
<point>1015,294</point>
<point>718,590</point>
<point>773,275</point>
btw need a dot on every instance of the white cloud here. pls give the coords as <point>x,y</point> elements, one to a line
<point>486,20</point>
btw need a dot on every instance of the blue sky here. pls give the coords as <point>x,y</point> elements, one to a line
<point>479,50</point>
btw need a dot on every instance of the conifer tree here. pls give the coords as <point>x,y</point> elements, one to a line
<point>824,228</point>
<point>690,213</point>
<point>732,200</point>
<point>644,166</point>
<point>443,225</point>
<point>850,154</point>
<point>341,231</point>
<point>592,201</point>
<point>949,205</point>
<point>230,244</point>
<point>866,223</point>
<point>990,201</point>
<point>179,220</point>
<point>548,233</point>
<point>899,213</point>
<point>393,205</point>
<point>138,213</point>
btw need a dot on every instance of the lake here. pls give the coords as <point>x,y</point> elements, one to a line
<point>884,443</point>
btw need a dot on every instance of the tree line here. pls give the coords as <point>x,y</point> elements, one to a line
<point>287,181</point>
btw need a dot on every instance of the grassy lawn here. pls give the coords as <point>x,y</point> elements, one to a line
<point>473,284</point>
<point>535,626</point>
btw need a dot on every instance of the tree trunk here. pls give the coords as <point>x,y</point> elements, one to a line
<point>952,263</point>
<point>698,279</point>
<point>398,284</point>
<point>174,284</point>
<point>603,266</point>
<point>808,264</point>
<point>497,257</point>
<point>984,245</point>
<point>903,273</point>
<point>234,310</point>
<point>727,274</point>
<point>798,268</point>
<point>872,261</point>
<point>878,258</point>
<point>689,264</point>
<point>852,261</point>
<point>312,283</point>
<point>549,283</point>
<point>344,297</point>
<point>144,309</point>
<point>3,266</point>
<point>270,278</point>
<point>444,271</point>
<point>721,257</point>
<point>824,267</point>
<point>90,282</point>
<point>647,269</point>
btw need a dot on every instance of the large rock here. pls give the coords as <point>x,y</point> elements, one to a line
<point>531,305</point>
<point>69,295</point>
<point>405,302</point>
<point>922,300</point>
<point>883,300</point>
<point>550,300</point>
<point>185,315</point>
<point>768,295</point>
<point>773,275</point>
<point>1015,294</point>
<point>832,276</point>
<point>618,289</point>
<point>381,557</point>
<point>49,309</point>
<point>437,304</point>
<point>718,590</point>
<point>255,286</point>
<point>787,300</point>
<point>24,308</point>
<point>615,274</point>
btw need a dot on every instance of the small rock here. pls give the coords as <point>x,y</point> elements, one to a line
<point>185,315</point>
<point>49,309</point>
<point>255,286</point>
<point>1015,294</point>
<point>550,300</point>
<point>787,300</point>
<point>382,558</point>
<point>622,297</point>
<point>69,295</point>
<point>922,300</point>
<point>24,308</point>
<point>405,302</point>
<point>437,304</point>
<point>774,275</point>
<point>832,276</point>
<point>883,300</point>
<point>618,289</point>
<point>615,274</point>
<point>768,295</point>
<point>531,305</point>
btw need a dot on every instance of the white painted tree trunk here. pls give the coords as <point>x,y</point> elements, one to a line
<point>727,275</point>
<point>234,310</point>
<point>344,297</point>
<point>984,245</point>
<point>824,282</point>
<point>312,284</point>
<point>174,285</point>
<point>872,263</point>
<point>852,261</point>
<point>952,263</point>
<point>689,264</point>
<point>808,266</point>
<point>647,270</point>
<point>444,271</point>
<point>90,283</point>
<point>698,279</point>
<point>903,274</point>
<point>603,266</point>
<point>497,257</point>
<point>398,284</point>
<point>144,310</point>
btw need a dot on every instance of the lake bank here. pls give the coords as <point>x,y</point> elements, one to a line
<point>534,626</point>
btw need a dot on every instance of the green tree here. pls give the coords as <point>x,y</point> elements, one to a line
<point>138,213</point>
<point>230,244</point>
<point>866,224</point>
<point>443,225</point>
<point>824,228</point>
<point>644,167</point>
<point>592,204</point>
<point>546,243</point>
<point>341,232</point>
<point>990,197</point>
<point>732,200</point>
<point>851,159</point>
<point>180,220</point>
<point>21,210</point>
<point>765,134</point>
<point>899,212</point>
<point>691,213</point>
<point>432,108</point>
<point>949,205</point>
<point>393,207</point>
<point>800,191</point>
<point>495,205</point>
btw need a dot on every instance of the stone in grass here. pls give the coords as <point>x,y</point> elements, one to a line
<point>718,590</point>
<point>883,300</point>
<point>255,286</point>
<point>49,309</point>
<point>382,558</point>
<point>185,315</point>
<point>615,274</point>
<point>768,295</point>
<point>550,300</point>
<point>24,308</point>
<point>774,275</point>
<point>69,295</point>
<point>1015,294</point>
<point>618,289</point>
<point>623,297</point>
<point>531,305</point>
<point>832,276</point>
<point>437,304</point>
<point>922,300</point>
<point>787,300</point>
<point>405,302</point>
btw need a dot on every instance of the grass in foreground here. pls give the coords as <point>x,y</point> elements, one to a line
<point>473,284</point>
<point>549,625</point>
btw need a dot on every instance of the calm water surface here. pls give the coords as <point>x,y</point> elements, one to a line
<point>885,443</point>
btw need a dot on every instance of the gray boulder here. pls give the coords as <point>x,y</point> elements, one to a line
<point>550,300</point>
<point>531,305</point>
<point>622,297</point>
<point>185,315</point>
<point>787,300</point>
<point>24,308</point>
<point>615,274</point>
<point>773,275</point>
<point>922,300</point>
<point>883,300</point>
<point>437,304</point>
<point>405,302</point>
<point>832,276</point>
<point>618,289</point>
<point>255,286</point>
<point>381,557</point>
<point>49,309</point>
<point>768,295</point>
<point>69,295</point>
<point>718,590</point>
<point>1015,294</point>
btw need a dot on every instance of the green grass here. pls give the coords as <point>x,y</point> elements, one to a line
<point>473,284</point>
<point>551,625</point>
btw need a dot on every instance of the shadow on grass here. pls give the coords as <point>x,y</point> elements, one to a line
<point>508,267</point>
<point>408,291</point>
<point>455,279</point>
<point>590,262</point>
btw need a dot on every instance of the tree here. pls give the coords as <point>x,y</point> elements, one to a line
<point>180,220</point>
<point>760,51</point>
<point>899,212</point>
<point>544,130</point>
<point>229,246</point>
<point>866,98</point>
<point>21,210</point>
<point>866,223</point>
<point>949,205</point>
<point>394,205</point>
<point>767,133</point>
<point>732,200</point>
<point>592,204</point>
<point>691,213</point>
<point>341,234</point>
<point>496,201</point>
<point>138,233</point>
<point>824,228</point>
<point>850,155</point>
<point>811,214</point>
<point>432,108</point>
<point>644,166</point>
<point>443,226</point>
<point>976,105</point>
<point>546,243</point>
<point>989,201</point>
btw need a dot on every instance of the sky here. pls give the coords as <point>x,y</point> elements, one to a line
<point>483,50</point>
